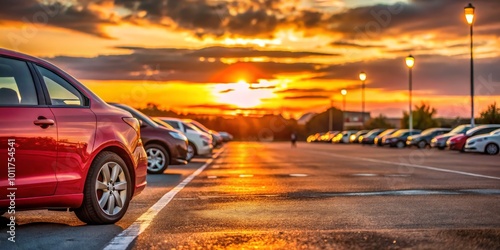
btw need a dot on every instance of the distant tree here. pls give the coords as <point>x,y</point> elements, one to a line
<point>319,123</point>
<point>423,117</point>
<point>491,115</point>
<point>378,122</point>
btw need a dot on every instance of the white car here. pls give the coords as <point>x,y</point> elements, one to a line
<point>488,143</point>
<point>200,143</point>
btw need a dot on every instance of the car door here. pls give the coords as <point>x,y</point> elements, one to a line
<point>28,134</point>
<point>76,125</point>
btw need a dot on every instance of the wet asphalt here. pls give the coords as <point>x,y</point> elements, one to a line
<point>315,196</point>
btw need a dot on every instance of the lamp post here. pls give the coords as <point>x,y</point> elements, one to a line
<point>344,93</point>
<point>410,61</point>
<point>330,116</point>
<point>362,77</point>
<point>469,16</point>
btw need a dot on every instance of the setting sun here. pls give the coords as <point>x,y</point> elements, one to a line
<point>241,94</point>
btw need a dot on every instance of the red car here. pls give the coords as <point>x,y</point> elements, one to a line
<point>62,147</point>
<point>457,142</point>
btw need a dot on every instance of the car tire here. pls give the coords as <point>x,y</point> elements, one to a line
<point>192,152</point>
<point>422,144</point>
<point>400,144</point>
<point>107,191</point>
<point>491,149</point>
<point>158,158</point>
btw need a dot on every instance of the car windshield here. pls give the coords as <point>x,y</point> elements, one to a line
<point>162,123</point>
<point>476,129</point>
<point>495,132</point>
<point>460,129</point>
<point>387,132</point>
<point>399,133</point>
<point>428,131</point>
<point>200,126</point>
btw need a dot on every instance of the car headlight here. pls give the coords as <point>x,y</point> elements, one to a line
<point>178,136</point>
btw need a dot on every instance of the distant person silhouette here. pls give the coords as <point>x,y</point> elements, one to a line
<point>293,139</point>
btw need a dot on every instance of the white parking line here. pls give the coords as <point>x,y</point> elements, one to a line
<point>123,240</point>
<point>408,165</point>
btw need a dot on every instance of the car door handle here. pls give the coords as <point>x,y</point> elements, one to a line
<point>43,122</point>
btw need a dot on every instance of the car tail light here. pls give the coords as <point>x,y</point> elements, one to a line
<point>134,123</point>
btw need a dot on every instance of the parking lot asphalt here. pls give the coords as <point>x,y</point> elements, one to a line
<point>315,196</point>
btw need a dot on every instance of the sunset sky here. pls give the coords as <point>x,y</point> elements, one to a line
<point>265,56</point>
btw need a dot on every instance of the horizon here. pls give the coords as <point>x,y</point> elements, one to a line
<point>225,57</point>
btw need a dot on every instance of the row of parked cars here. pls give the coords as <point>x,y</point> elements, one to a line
<point>464,138</point>
<point>61,146</point>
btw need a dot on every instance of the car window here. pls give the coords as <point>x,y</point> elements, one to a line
<point>190,127</point>
<point>484,131</point>
<point>173,124</point>
<point>61,92</point>
<point>16,84</point>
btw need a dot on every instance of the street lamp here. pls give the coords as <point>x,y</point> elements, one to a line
<point>344,93</point>
<point>469,16</point>
<point>330,116</point>
<point>362,77</point>
<point>410,61</point>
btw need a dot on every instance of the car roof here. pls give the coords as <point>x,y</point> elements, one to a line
<point>169,118</point>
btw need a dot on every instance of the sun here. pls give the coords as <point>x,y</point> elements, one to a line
<point>241,94</point>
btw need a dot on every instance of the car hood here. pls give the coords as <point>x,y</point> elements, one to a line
<point>445,136</point>
<point>457,137</point>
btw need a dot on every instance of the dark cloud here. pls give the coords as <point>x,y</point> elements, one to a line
<point>300,91</point>
<point>77,17</point>
<point>213,106</point>
<point>344,44</point>
<point>226,91</point>
<point>262,87</point>
<point>252,18</point>
<point>438,75</point>
<point>306,97</point>
<point>180,65</point>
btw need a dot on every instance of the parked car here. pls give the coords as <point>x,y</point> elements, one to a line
<point>379,140</point>
<point>355,137</point>
<point>65,146</point>
<point>457,142</point>
<point>199,142</point>
<point>369,137</point>
<point>226,137</point>
<point>216,137</point>
<point>313,138</point>
<point>398,139</point>
<point>329,136</point>
<point>344,136</point>
<point>163,146</point>
<point>424,139</point>
<point>440,140</point>
<point>487,143</point>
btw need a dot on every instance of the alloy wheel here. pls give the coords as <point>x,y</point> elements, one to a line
<point>111,188</point>
<point>492,149</point>
<point>156,159</point>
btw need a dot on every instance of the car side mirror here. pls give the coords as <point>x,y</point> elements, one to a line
<point>142,124</point>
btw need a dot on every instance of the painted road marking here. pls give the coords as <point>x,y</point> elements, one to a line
<point>123,240</point>
<point>408,165</point>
